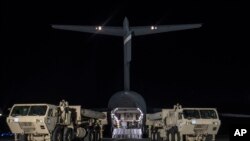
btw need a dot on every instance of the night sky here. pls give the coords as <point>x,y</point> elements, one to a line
<point>206,67</point>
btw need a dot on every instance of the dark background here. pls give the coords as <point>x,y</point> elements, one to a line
<point>206,67</point>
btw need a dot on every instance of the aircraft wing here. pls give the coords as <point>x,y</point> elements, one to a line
<point>106,30</point>
<point>227,115</point>
<point>1,112</point>
<point>235,115</point>
<point>145,30</point>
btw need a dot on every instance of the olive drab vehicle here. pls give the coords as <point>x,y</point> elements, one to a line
<point>179,124</point>
<point>46,122</point>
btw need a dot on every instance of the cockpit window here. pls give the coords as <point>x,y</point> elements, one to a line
<point>207,114</point>
<point>29,110</point>
<point>189,114</point>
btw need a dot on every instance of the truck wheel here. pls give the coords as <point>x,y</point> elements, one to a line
<point>57,134</point>
<point>209,138</point>
<point>184,137</point>
<point>68,134</point>
<point>22,137</point>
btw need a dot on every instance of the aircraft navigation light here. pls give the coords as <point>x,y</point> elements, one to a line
<point>153,27</point>
<point>98,28</point>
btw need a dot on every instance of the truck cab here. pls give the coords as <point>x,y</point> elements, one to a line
<point>46,122</point>
<point>35,119</point>
<point>178,124</point>
<point>198,123</point>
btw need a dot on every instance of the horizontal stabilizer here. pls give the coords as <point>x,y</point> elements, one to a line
<point>115,31</point>
<point>145,30</point>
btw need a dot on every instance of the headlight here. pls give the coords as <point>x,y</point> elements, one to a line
<point>39,120</point>
<point>193,121</point>
<point>16,119</point>
<point>215,123</point>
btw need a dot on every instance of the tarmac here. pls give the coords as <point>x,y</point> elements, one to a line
<point>218,138</point>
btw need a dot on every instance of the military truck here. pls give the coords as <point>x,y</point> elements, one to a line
<point>48,122</point>
<point>179,124</point>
